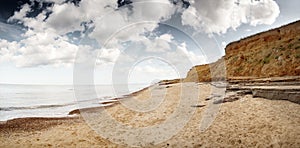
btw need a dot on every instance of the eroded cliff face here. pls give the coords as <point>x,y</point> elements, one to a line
<point>268,54</point>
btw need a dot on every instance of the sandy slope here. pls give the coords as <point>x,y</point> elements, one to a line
<point>253,122</point>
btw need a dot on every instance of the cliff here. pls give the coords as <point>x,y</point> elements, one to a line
<point>273,53</point>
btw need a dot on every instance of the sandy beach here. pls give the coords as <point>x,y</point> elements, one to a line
<point>244,122</point>
<point>154,73</point>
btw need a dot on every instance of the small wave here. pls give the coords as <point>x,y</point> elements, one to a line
<point>52,106</point>
<point>33,107</point>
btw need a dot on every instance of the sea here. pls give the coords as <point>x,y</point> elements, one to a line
<point>19,101</point>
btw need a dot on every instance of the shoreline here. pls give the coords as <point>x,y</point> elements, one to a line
<point>257,119</point>
<point>246,84</point>
<point>102,103</point>
<point>18,123</point>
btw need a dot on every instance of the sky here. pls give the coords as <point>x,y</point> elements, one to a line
<point>125,41</point>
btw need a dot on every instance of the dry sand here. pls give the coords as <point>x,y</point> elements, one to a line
<point>247,122</point>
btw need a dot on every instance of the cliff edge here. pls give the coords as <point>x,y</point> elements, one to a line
<point>274,53</point>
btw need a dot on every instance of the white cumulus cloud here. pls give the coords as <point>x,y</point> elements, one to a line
<point>46,41</point>
<point>219,15</point>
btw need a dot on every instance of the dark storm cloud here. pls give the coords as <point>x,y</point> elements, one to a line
<point>75,2</point>
<point>8,7</point>
<point>123,2</point>
<point>185,3</point>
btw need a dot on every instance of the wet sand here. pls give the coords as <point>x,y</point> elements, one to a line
<point>243,122</point>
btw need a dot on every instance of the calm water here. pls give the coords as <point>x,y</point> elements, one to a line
<point>52,100</point>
